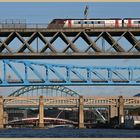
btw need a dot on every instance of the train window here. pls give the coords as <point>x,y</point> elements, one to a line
<point>76,22</point>
<point>88,22</point>
<point>100,22</point>
<point>92,22</point>
<point>85,22</point>
<point>136,22</point>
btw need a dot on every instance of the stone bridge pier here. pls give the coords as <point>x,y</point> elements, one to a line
<point>41,112</point>
<point>81,112</point>
<point>117,110</point>
<point>121,110</point>
<point>1,112</point>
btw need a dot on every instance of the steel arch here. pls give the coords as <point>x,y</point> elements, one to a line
<point>62,89</point>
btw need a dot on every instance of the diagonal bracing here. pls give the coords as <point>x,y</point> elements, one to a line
<point>29,73</point>
<point>48,48</point>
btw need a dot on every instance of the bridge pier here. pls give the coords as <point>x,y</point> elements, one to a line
<point>121,110</point>
<point>81,112</point>
<point>113,111</point>
<point>41,111</point>
<point>1,112</point>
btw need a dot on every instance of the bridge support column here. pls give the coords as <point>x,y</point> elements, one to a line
<point>121,110</point>
<point>81,112</point>
<point>1,112</point>
<point>113,111</point>
<point>41,112</point>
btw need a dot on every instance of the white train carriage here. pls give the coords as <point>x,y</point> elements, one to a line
<point>92,23</point>
<point>95,23</point>
<point>131,22</point>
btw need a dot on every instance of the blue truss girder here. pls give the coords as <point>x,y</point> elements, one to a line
<point>60,74</point>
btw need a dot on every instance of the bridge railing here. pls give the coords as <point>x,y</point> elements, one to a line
<point>55,26</point>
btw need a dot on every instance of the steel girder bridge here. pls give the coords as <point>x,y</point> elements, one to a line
<point>37,41</point>
<point>29,73</point>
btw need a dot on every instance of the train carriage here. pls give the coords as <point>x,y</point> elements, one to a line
<point>131,22</point>
<point>95,23</point>
<point>92,23</point>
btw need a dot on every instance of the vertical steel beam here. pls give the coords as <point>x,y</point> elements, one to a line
<point>81,112</point>
<point>4,74</point>
<point>41,111</point>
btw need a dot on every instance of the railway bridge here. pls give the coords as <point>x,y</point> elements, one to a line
<point>36,41</point>
<point>116,105</point>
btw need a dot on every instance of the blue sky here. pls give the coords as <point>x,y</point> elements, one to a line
<point>45,12</point>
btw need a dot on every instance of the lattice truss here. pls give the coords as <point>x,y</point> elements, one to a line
<point>62,42</point>
<point>29,73</point>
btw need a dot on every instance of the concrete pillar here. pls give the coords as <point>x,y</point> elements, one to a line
<point>41,112</point>
<point>1,113</point>
<point>113,111</point>
<point>5,118</point>
<point>81,112</point>
<point>121,110</point>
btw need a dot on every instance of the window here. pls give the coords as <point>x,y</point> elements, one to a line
<point>100,22</point>
<point>76,22</point>
<point>88,22</point>
<point>136,22</point>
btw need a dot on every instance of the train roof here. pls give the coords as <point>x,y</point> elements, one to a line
<point>85,19</point>
<point>92,18</point>
<point>131,18</point>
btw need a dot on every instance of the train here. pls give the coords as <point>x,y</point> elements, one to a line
<point>95,23</point>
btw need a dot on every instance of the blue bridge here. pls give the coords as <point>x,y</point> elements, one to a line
<point>30,73</point>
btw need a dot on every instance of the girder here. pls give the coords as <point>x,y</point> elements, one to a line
<point>64,102</point>
<point>29,73</point>
<point>48,46</point>
<point>64,90</point>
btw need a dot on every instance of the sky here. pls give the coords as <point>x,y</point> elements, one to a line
<point>44,12</point>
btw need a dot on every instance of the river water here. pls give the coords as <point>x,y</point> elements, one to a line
<point>68,133</point>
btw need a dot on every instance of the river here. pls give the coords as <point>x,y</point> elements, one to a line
<point>68,133</point>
